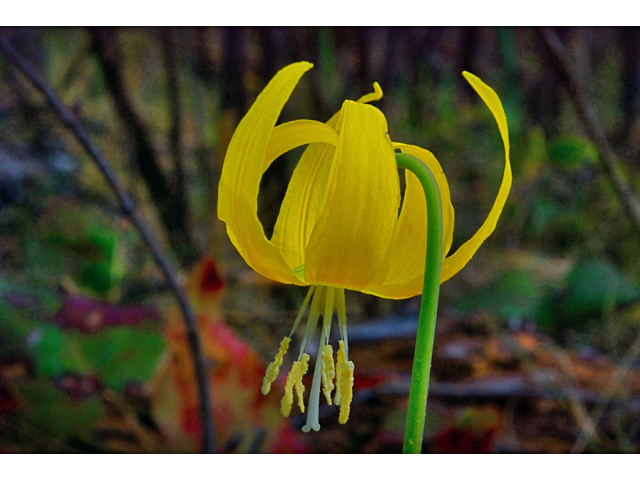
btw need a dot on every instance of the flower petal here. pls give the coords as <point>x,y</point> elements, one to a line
<point>459,259</point>
<point>406,252</point>
<point>290,135</point>
<point>303,203</point>
<point>242,171</point>
<point>305,195</point>
<point>372,97</point>
<point>417,194</point>
<point>454,263</point>
<point>366,98</point>
<point>348,243</point>
<point>298,212</point>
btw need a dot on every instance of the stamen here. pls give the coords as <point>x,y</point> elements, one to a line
<point>325,353</point>
<point>294,379</point>
<point>313,416</point>
<point>304,366</point>
<point>302,310</point>
<point>341,309</point>
<point>328,372</point>
<point>312,321</point>
<point>342,358</point>
<point>346,387</point>
<point>328,313</point>
<point>274,367</point>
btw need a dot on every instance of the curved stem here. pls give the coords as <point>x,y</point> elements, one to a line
<point>428,306</point>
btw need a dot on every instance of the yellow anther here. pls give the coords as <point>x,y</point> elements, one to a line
<point>328,372</point>
<point>346,387</point>
<point>342,357</point>
<point>304,366</point>
<point>274,367</point>
<point>294,379</point>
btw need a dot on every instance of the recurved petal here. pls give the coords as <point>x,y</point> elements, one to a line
<point>366,98</point>
<point>242,171</point>
<point>454,263</point>
<point>307,189</point>
<point>417,194</point>
<point>303,203</point>
<point>305,194</point>
<point>348,243</point>
<point>459,259</point>
<point>290,135</point>
<point>406,252</point>
<point>372,97</point>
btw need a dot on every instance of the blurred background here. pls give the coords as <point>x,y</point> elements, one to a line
<point>538,338</point>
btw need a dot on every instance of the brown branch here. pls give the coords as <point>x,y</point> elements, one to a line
<point>610,162</point>
<point>128,207</point>
<point>172,64</point>
<point>169,200</point>
<point>606,397</point>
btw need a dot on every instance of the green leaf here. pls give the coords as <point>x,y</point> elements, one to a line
<point>49,410</point>
<point>89,249</point>
<point>97,277</point>
<point>534,153</point>
<point>569,152</point>
<point>119,355</point>
<point>53,354</point>
<point>512,294</point>
<point>591,289</point>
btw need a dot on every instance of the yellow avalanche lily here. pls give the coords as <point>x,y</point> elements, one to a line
<point>338,226</point>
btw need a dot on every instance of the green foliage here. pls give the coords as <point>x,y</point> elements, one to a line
<point>94,246</point>
<point>19,305</point>
<point>513,294</point>
<point>47,409</point>
<point>590,290</point>
<point>120,355</point>
<point>530,153</point>
<point>53,353</point>
<point>568,152</point>
<point>60,396</point>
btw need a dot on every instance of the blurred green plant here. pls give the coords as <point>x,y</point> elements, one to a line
<point>568,152</point>
<point>514,294</point>
<point>590,290</point>
<point>65,352</point>
<point>95,247</point>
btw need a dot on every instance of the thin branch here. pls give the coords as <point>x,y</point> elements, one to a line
<point>128,207</point>
<point>170,202</point>
<point>172,65</point>
<point>610,162</point>
<point>589,429</point>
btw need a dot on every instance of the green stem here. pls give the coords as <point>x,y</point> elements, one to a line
<point>428,306</point>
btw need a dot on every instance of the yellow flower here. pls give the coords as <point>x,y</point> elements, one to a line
<point>338,226</point>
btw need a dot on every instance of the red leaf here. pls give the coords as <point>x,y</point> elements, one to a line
<point>88,315</point>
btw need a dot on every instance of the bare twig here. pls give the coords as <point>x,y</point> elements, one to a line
<point>496,389</point>
<point>167,39</point>
<point>128,207</point>
<point>605,398</point>
<point>578,408</point>
<point>167,196</point>
<point>610,162</point>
